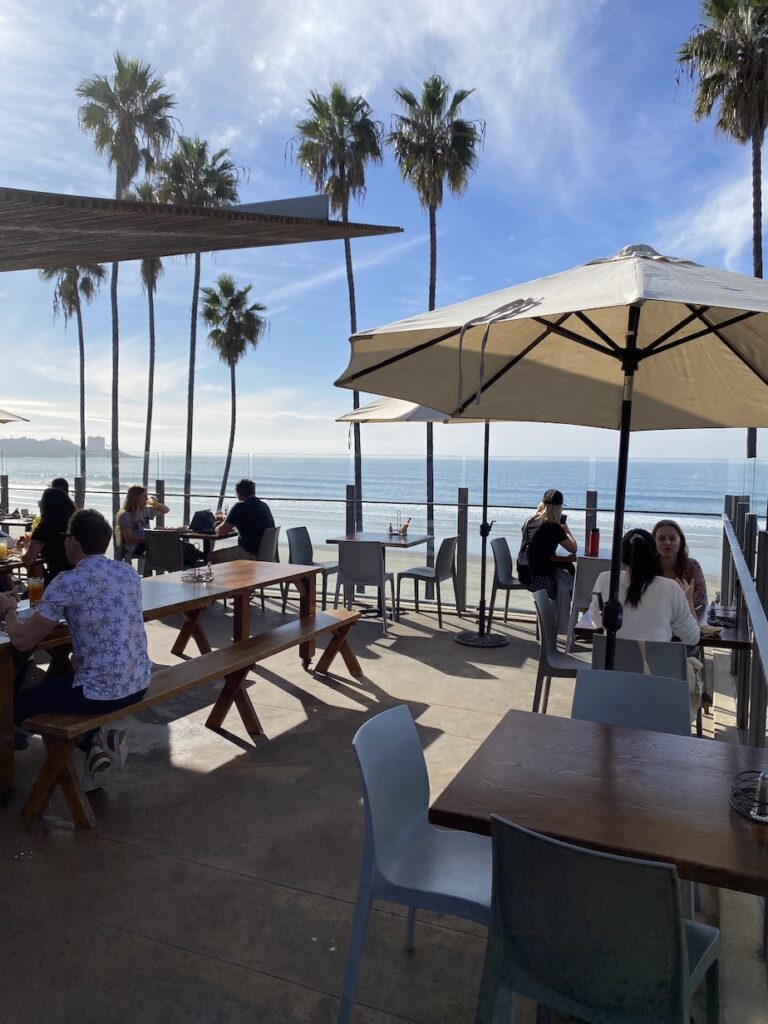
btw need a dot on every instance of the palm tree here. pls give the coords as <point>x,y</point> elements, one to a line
<point>336,141</point>
<point>128,115</point>
<point>729,57</point>
<point>234,325</point>
<point>151,271</point>
<point>433,145</point>
<point>197,177</point>
<point>74,283</point>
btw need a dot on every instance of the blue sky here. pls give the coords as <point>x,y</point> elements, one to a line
<point>590,145</point>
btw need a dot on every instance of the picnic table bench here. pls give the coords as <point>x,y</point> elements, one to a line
<point>60,732</point>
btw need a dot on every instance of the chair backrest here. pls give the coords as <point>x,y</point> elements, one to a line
<point>547,622</point>
<point>589,934</point>
<point>445,557</point>
<point>587,571</point>
<point>268,544</point>
<point>299,546</point>
<point>163,549</point>
<point>502,560</point>
<point>661,657</point>
<point>394,779</point>
<point>633,700</point>
<point>361,562</point>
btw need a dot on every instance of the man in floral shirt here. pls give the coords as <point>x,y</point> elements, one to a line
<point>100,600</point>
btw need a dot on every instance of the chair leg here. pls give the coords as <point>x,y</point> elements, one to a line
<point>336,595</point>
<point>493,602</point>
<point>456,594</point>
<point>537,691</point>
<point>506,608</point>
<point>383,605</point>
<point>285,597</point>
<point>712,978</point>
<point>325,589</point>
<point>545,702</point>
<point>416,594</point>
<point>354,957</point>
<point>569,638</point>
<point>409,928</point>
<point>263,606</point>
<point>439,605</point>
<point>399,581</point>
<point>488,994</point>
<point>395,608</point>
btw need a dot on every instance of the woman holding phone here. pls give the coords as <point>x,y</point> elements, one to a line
<point>543,533</point>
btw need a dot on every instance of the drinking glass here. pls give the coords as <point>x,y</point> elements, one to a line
<point>34,590</point>
<point>3,547</point>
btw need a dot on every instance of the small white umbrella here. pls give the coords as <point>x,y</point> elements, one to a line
<point>635,342</point>
<point>11,417</point>
<point>395,410</point>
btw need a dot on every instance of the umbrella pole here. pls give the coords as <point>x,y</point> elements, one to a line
<point>481,638</point>
<point>613,610</point>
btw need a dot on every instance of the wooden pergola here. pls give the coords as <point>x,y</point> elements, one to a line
<point>43,229</point>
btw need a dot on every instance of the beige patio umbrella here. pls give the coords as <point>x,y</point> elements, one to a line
<point>638,341</point>
<point>11,417</point>
<point>395,410</point>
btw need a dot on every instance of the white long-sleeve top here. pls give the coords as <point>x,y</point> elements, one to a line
<point>663,611</point>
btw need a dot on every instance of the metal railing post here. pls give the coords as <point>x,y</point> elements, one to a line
<point>160,495</point>
<point>726,574</point>
<point>4,496</point>
<point>757,682</point>
<point>462,528</point>
<point>350,516</point>
<point>80,491</point>
<point>590,518</point>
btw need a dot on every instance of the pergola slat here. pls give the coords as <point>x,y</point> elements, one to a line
<point>43,229</point>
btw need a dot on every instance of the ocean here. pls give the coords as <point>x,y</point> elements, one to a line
<point>310,491</point>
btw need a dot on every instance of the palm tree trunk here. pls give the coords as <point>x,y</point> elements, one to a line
<point>115,438</point>
<point>191,389</point>
<point>81,343</point>
<point>757,242</point>
<point>233,416</point>
<point>430,432</point>
<point>355,394</point>
<point>150,384</point>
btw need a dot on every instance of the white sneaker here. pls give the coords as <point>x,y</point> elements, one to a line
<point>114,743</point>
<point>96,768</point>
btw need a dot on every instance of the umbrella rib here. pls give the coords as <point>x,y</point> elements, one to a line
<point>706,332</point>
<point>505,369</point>
<point>598,331</point>
<point>715,329</point>
<point>654,345</point>
<point>615,351</point>
<point>400,355</point>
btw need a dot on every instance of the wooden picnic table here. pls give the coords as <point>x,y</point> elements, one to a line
<point>626,791</point>
<point>167,595</point>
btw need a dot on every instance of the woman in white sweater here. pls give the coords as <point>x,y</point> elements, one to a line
<point>655,607</point>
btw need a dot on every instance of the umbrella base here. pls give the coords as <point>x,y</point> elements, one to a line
<point>470,639</point>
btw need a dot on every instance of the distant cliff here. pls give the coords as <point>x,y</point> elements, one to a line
<point>95,446</point>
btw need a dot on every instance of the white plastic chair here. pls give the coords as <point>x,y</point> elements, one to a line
<point>552,662</point>
<point>361,564</point>
<point>591,935</point>
<point>587,571</point>
<point>406,860</point>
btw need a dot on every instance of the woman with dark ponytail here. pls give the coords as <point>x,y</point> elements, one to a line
<point>655,607</point>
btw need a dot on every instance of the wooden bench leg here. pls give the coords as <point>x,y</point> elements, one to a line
<point>339,644</point>
<point>233,692</point>
<point>57,771</point>
<point>307,587</point>
<point>191,630</point>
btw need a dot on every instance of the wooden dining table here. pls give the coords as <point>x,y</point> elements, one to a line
<point>626,791</point>
<point>166,595</point>
<point>387,540</point>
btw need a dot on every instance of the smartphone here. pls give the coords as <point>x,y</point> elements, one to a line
<point>563,519</point>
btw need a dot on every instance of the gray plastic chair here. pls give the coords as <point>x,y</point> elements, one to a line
<point>361,564</point>
<point>443,569</point>
<point>268,552</point>
<point>503,575</point>
<point>405,859</point>
<point>587,571</point>
<point>300,552</point>
<point>163,552</point>
<point>552,662</point>
<point>633,700</point>
<point>591,935</point>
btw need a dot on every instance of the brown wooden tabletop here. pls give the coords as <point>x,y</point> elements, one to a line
<point>627,791</point>
<point>737,639</point>
<point>387,540</point>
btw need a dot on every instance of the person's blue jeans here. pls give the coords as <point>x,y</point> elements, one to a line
<point>57,695</point>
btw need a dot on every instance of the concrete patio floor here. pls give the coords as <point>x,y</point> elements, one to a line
<point>220,881</point>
